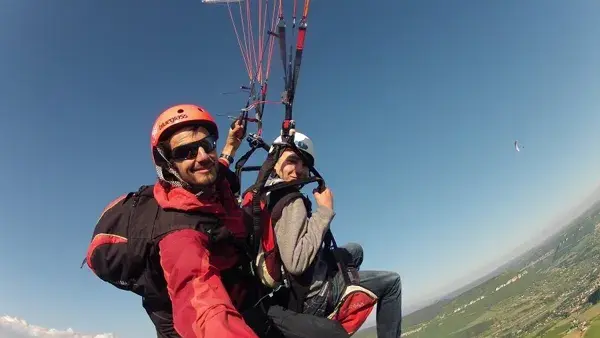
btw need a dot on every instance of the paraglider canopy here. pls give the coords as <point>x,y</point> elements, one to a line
<point>518,146</point>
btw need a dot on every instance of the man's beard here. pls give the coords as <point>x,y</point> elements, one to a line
<point>206,184</point>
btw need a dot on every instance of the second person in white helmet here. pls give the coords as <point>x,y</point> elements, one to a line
<point>300,233</point>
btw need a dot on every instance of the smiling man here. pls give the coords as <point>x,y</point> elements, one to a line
<point>193,155</point>
<point>174,243</point>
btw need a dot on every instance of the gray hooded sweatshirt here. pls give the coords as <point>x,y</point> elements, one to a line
<point>299,239</point>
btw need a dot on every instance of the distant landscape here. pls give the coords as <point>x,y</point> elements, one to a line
<point>551,291</point>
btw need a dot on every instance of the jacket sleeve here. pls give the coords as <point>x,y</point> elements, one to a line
<point>224,162</point>
<point>201,305</point>
<point>299,237</point>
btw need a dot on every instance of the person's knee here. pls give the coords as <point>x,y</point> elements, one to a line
<point>395,282</point>
<point>356,253</point>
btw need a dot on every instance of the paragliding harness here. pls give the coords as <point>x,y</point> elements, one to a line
<point>264,204</point>
<point>124,246</point>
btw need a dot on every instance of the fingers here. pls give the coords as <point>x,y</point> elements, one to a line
<point>319,189</point>
<point>239,133</point>
<point>237,129</point>
<point>236,124</point>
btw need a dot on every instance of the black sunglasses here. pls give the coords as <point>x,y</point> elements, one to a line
<point>190,150</point>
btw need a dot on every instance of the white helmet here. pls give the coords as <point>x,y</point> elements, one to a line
<point>302,142</point>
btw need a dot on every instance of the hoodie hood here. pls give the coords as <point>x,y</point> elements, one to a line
<point>273,180</point>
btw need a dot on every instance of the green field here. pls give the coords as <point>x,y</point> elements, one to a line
<point>550,292</point>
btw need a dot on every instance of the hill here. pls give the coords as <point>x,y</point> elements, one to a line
<point>549,291</point>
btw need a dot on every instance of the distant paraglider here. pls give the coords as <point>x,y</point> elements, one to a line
<point>518,146</point>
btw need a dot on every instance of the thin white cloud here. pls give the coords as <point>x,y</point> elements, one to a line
<point>11,327</point>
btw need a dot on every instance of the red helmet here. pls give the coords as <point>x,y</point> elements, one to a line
<point>174,118</point>
<point>180,115</point>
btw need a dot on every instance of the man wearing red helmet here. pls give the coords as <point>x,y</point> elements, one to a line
<point>176,243</point>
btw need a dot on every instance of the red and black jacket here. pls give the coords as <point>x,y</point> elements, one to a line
<point>158,242</point>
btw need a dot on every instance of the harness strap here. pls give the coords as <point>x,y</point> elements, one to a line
<point>339,261</point>
<point>255,142</point>
<point>297,287</point>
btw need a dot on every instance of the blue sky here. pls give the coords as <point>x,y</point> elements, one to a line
<point>413,107</point>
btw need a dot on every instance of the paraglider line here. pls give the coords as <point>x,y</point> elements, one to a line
<point>239,41</point>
